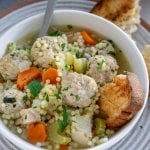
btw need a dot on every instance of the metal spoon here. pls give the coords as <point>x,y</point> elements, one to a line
<point>48,16</point>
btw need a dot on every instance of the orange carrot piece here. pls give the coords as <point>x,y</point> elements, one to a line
<point>87,38</point>
<point>37,132</point>
<point>26,76</point>
<point>63,147</point>
<point>1,81</point>
<point>50,74</point>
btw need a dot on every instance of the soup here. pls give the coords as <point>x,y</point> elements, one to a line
<point>55,89</point>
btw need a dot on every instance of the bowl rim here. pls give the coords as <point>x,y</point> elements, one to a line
<point>124,131</point>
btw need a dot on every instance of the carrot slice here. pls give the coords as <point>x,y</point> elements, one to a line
<point>26,76</point>
<point>37,132</point>
<point>63,147</point>
<point>50,74</point>
<point>1,81</point>
<point>87,38</point>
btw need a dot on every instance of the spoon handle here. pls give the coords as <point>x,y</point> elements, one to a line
<point>47,18</point>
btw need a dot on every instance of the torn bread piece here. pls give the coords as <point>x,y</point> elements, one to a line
<point>121,99</point>
<point>146,55</point>
<point>124,13</point>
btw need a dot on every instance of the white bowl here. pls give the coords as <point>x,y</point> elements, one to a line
<point>98,25</point>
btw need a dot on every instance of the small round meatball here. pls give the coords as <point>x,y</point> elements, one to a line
<point>102,68</point>
<point>104,47</point>
<point>11,65</point>
<point>46,48</point>
<point>78,89</point>
<point>11,101</point>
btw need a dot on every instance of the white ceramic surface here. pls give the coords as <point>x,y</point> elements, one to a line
<point>96,24</point>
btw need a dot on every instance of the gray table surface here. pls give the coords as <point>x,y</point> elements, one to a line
<point>145,12</point>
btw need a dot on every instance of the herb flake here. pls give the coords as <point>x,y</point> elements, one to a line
<point>111,53</point>
<point>67,67</point>
<point>110,41</point>
<point>54,33</point>
<point>78,55</point>
<point>77,97</point>
<point>35,87</point>
<point>25,98</point>
<point>9,100</point>
<point>58,95</point>
<point>63,46</point>
<point>63,123</point>
<point>65,89</point>
<point>14,105</point>
<point>47,98</point>
<point>71,94</point>
<point>69,27</point>
<point>102,65</point>
<point>114,72</point>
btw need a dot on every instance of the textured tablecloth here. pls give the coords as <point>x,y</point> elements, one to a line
<point>139,137</point>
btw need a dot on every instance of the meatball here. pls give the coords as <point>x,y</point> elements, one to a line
<point>78,89</point>
<point>102,68</point>
<point>104,47</point>
<point>11,101</point>
<point>11,65</point>
<point>46,48</point>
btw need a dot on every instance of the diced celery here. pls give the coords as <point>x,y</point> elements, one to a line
<point>11,47</point>
<point>80,65</point>
<point>54,63</point>
<point>102,65</point>
<point>55,136</point>
<point>100,126</point>
<point>69,58</point>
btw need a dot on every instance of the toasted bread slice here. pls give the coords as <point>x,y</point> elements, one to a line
<point>124,13</point>
<point>121,99</point>
<point>146,55</point>
<point>137,93</point>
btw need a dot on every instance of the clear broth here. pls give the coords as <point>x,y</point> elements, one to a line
<point>123,62</point>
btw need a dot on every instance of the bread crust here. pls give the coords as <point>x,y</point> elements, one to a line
<point>137,93</point>
<point>121,99</point>
<point>124,13</point>
<point>146,55</point>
